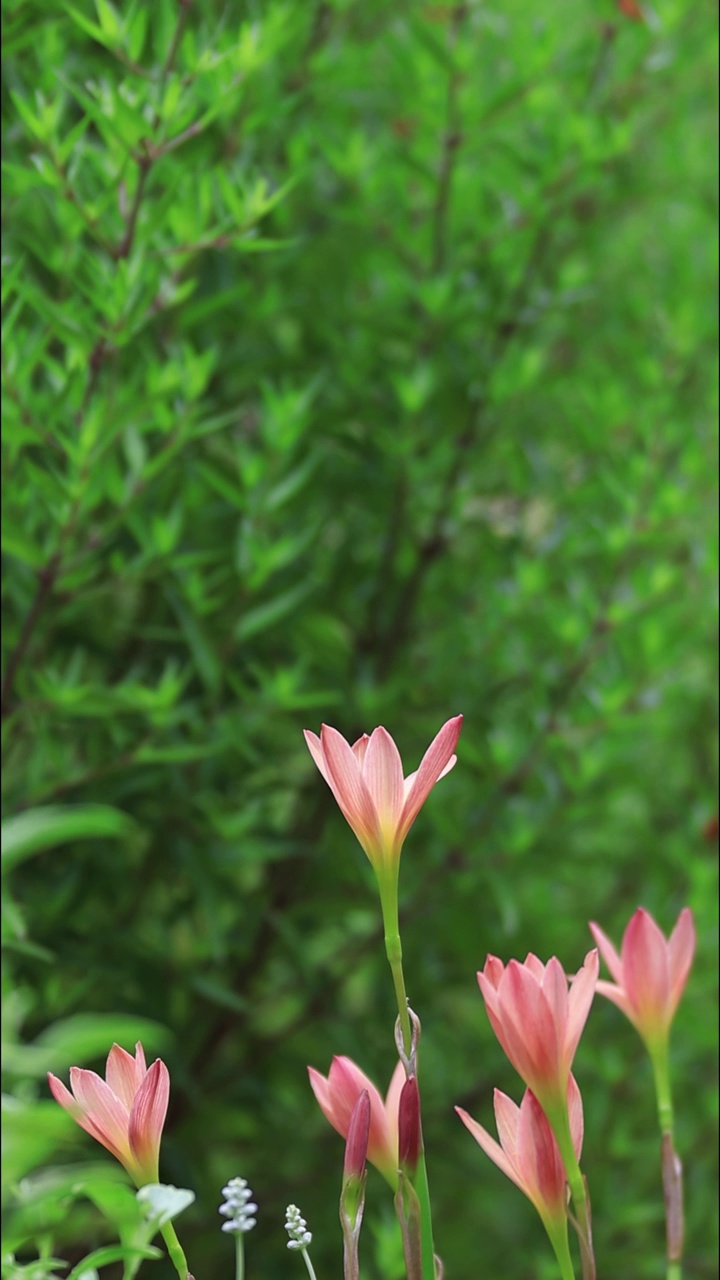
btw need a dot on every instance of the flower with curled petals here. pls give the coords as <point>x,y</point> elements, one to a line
<point>337,1095</point>
<point>529,1155</point>
<point>650,973</point>
<point>527,1152</point>
<point>125,1111</point>
<point>367,781</point>
<point>537,1020</point>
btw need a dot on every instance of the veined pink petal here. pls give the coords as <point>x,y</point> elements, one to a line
<point>681,950</point>
<point>493,970</point>
<point>555,986</point>
<point>433,763</point>
<point>507,1116</point>
<point>360,747</point>
<point>535,966</point>
<point>147,1118</point>
<point>490,1147</point>
<point>646,976</point>
<point>383,775</point>
<point>582,992</point>
<point>539,1162</point>
<point>575,1115</point>
<point>531,1032</point>
<point>103,1115</point>
<point>608,952</point>
<point>316,751</point>
<point>409,782</point>
<point>350,789</point>
<point>124,1074</point>
<point>618,997</point>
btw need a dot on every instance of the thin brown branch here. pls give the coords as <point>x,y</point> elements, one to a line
<point>46,579</point>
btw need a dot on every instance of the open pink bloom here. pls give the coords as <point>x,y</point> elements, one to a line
<point>537,1020</point>
<point>125,1111</point>
<point>527,1151</point>
<point>367,782</point>
<point>651,972</point>
<point>337,1095</point>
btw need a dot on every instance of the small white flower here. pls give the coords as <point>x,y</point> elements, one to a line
<point>238,1207</point>
<point>296,1227</point>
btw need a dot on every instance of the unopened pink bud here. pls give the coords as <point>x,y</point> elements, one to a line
<point>409,1127</point>
<point>358,1135</point>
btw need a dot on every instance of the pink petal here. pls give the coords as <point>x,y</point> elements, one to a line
<point>490,1147</point>
<point>359,749</point>
<point>148,1117</point>
<point>103,1114</point>
<point>350,789</point>
<point>681,949</point>
<point>124,1075</point>
<point>321,1088</point>
<point>535,966</point>
<point>492,1007</point>
<point>530,1029</point>
<point>63,1095</point>
<point>507,1117</point>
<point>575,1114</point>
<point>645,968</point>
<point>316,751</point>
<point>539,1162</point>
<point>618,997</point>
<point>432,765</point>
<point>392,1101</point>
<point>555,986</point>
<point>608,953</point>
<point>580,998</point>
<point>337,1097</point>
<point>493,970</point>
<point>383,775</point>
<point>409,782</point>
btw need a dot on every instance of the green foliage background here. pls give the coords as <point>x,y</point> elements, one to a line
<point>359,365</point>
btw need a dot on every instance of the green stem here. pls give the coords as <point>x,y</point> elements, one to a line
<point>558,1237</point>
<point>661,1076</point>
<point>175,1253</point>
<point>239,1256</point>
<point>393,949</point>
<point>423,1194</point>
<point>560,1124</point>
<point>671,1166</point>
<point>308,1264</point>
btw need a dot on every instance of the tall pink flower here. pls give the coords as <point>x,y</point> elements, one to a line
<point>337,1095</point>
<point>528,1152</point>
<point>367,782</point>
<point>125,1111</point>
<point>537,1020</point>
<point>650,973</point>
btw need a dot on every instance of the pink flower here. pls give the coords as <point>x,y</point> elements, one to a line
<point>527,1151</point>
<point>337,1095</point>
<point>651,972</point>
<point>125,1111</point>
<point>367,782</point>
<point>537,1020</point>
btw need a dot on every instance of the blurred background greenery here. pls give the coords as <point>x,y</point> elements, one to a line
<point>359,366</point>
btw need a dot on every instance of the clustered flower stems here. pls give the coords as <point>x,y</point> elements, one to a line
<point>536,1012</point>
